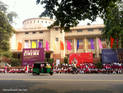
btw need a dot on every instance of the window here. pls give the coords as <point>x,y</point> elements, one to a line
<point>90,29</point>
<point>56,29</point>
<point>26,32</point>
<point>70,40</point>
<point>38,21</point>
<point>101,29</point>
<point>33,43</point>
<point>57,39</point>
<point>102,39</point>
<point>79,30</point>
<point>40,32</point>
<point>33,32</point>
<point>40,43</point>
<point>80,40</point>
<point>26,44</point>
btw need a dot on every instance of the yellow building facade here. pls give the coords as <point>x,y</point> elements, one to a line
<point>35,30</point>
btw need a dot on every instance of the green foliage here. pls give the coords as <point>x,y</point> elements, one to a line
<point>99,65</point>
<point>45,60</point>
<point>15,62</point>
<point>7,54</point>
<point>50,61</point>
<point>66,60</point>
<point>114,24</point>
<point>6,30</point>
<point>68,13</point>
<point>10,15</point>
<point>3,7</point>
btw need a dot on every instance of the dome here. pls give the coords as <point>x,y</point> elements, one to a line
<point>34,23</point>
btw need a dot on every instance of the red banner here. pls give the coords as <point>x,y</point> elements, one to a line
<point>79,58</point>
<point>111,41</point>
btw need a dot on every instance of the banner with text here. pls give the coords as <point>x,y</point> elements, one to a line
<point>32,55</point>
<point>79,58</point>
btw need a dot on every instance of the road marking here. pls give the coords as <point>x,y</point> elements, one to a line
<point>65,80</point>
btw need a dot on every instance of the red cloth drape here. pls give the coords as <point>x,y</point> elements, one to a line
<point>81,58</point>
<point>111,41</point>
<point>61,45</point>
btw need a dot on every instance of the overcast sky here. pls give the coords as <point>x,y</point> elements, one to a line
<point>29,9</point>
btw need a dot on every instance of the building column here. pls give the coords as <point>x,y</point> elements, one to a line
<point>62,38</point>
<point>85,45</point>
<point>29,43</point>
<point>74,45</point>
<point>97,47</point>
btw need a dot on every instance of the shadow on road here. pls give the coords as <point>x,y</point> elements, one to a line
<point>14,86</point>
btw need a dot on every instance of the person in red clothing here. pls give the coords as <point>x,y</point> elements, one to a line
<point>27,69</point>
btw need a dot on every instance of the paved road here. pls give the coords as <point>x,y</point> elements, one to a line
<point>75,77</point>
<point>61,83</point>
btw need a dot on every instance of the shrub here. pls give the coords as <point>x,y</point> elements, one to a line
<point>66,60</point>
<point>15,62</point>
<point>50,61</point>
<point>99,65</point>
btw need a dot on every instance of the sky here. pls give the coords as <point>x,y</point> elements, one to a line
<point>29,9</point>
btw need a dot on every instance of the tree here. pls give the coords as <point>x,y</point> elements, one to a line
<point>114,24</point>
<point>68,13</point>
<point>10,15</point>
<point>6,30</point>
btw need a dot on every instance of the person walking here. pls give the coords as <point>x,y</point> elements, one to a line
<point>27,69</point>
<point>5,68</point>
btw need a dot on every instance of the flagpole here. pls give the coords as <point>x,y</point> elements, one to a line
<point>60,51</point>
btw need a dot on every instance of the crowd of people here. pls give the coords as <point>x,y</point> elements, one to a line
<point>89,68</point>
<point>23,69</point>
<point>71,68</point>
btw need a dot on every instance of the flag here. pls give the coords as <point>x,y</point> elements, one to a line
<point>68,45</point>
<point>47,46</point>
<point>92,43</point>
<point>77,44</point>
<point>100,44</point>
<point>26,45</point>
<point>19,45</point>
<point>33,44</point>
<point>39,44</point>
<point>61,45</point>
<point>54,45</point>
<point>111,41</point>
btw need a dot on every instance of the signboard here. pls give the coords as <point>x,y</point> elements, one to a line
<point>112,55</point>
<point>78,58</point>
<point>109,56</point>
<point>32,55</point>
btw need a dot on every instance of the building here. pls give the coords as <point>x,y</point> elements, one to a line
<point>35,30</point>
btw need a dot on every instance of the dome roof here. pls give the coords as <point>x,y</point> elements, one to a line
<point>37,22</point>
